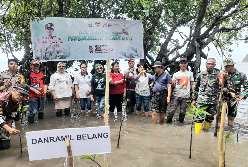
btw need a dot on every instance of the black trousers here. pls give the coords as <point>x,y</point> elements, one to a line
<point>115,100</point>
<point>131,100</point>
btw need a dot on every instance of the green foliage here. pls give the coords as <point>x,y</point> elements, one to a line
<point>222,23</point>
<point>197,111</point>
<point>228,138</point>
<point>89,156</point>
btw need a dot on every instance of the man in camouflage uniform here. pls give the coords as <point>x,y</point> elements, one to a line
<point>232,89</point>
<point>50,47</point>
<point>206,91</point>
<point>10,78</point>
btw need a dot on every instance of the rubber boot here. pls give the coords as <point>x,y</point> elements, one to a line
<point>198,127</point>
<point>181,117</point>
<point>169,118</point>
<point>4,144</point>
<point>31,118</point>
<point>67,112</point>
<point>59,114</point>
<point>206,125</point>
<point>40,115</point>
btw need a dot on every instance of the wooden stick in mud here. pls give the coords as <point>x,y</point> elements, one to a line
<point>67,142</point>
<point>220,142</point>
<point>106,103</point>
<point>218,109</point>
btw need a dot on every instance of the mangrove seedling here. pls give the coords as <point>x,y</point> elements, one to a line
<point>228,138</point>
<point>92,158</point>
<point>196,112</point>
<point>121,120</point>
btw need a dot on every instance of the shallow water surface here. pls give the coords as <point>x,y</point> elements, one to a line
<point>141,143</point>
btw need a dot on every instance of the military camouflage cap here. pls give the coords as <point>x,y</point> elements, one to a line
<point>228,62</point>
<point>49,25</point>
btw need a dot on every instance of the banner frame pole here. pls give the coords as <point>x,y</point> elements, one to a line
<point>106,103</point>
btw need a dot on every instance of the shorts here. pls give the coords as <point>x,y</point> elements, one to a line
<point>159,102</point>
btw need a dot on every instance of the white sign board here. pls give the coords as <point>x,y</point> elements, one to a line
<point>49,144</point>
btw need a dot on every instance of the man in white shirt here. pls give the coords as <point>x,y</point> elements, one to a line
<point>82,84</point>
<point>181,81</point>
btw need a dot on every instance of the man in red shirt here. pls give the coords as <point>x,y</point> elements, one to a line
<point>9,103</point>
<point>38,89</point>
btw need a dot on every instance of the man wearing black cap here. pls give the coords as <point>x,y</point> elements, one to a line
<point>182,81</point>
<point>131,84</point>
<point>10,78</point>
<point>50,47</point>
<point>9,103</point>
<point>161,92</point>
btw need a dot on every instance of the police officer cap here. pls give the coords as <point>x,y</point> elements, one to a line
<point>49,25</point>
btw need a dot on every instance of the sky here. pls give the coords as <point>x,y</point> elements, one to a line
<point>238,53</point>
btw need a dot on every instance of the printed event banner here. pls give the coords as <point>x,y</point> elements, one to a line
<point>48,144</point>
<point>58,39</point>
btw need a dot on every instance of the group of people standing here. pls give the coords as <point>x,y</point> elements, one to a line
<point>136,85</point>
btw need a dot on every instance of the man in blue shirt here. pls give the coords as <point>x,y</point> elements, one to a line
<point>161,92</point>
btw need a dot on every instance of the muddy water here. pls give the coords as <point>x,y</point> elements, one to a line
<point>142,144</point>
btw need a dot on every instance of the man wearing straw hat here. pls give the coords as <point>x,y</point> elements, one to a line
<point>232,88</point>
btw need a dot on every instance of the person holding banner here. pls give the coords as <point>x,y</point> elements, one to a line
<point>50,47</point>
<point>82,84</point>
<point>9,103</point>
<point>38,89</point>
<point>117,91</point>
<point>62,90</point>
<point>130,82</point>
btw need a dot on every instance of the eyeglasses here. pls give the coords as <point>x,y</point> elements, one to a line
<point>99,68</point>
<point>61,66</point>
<point>83,67</point>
